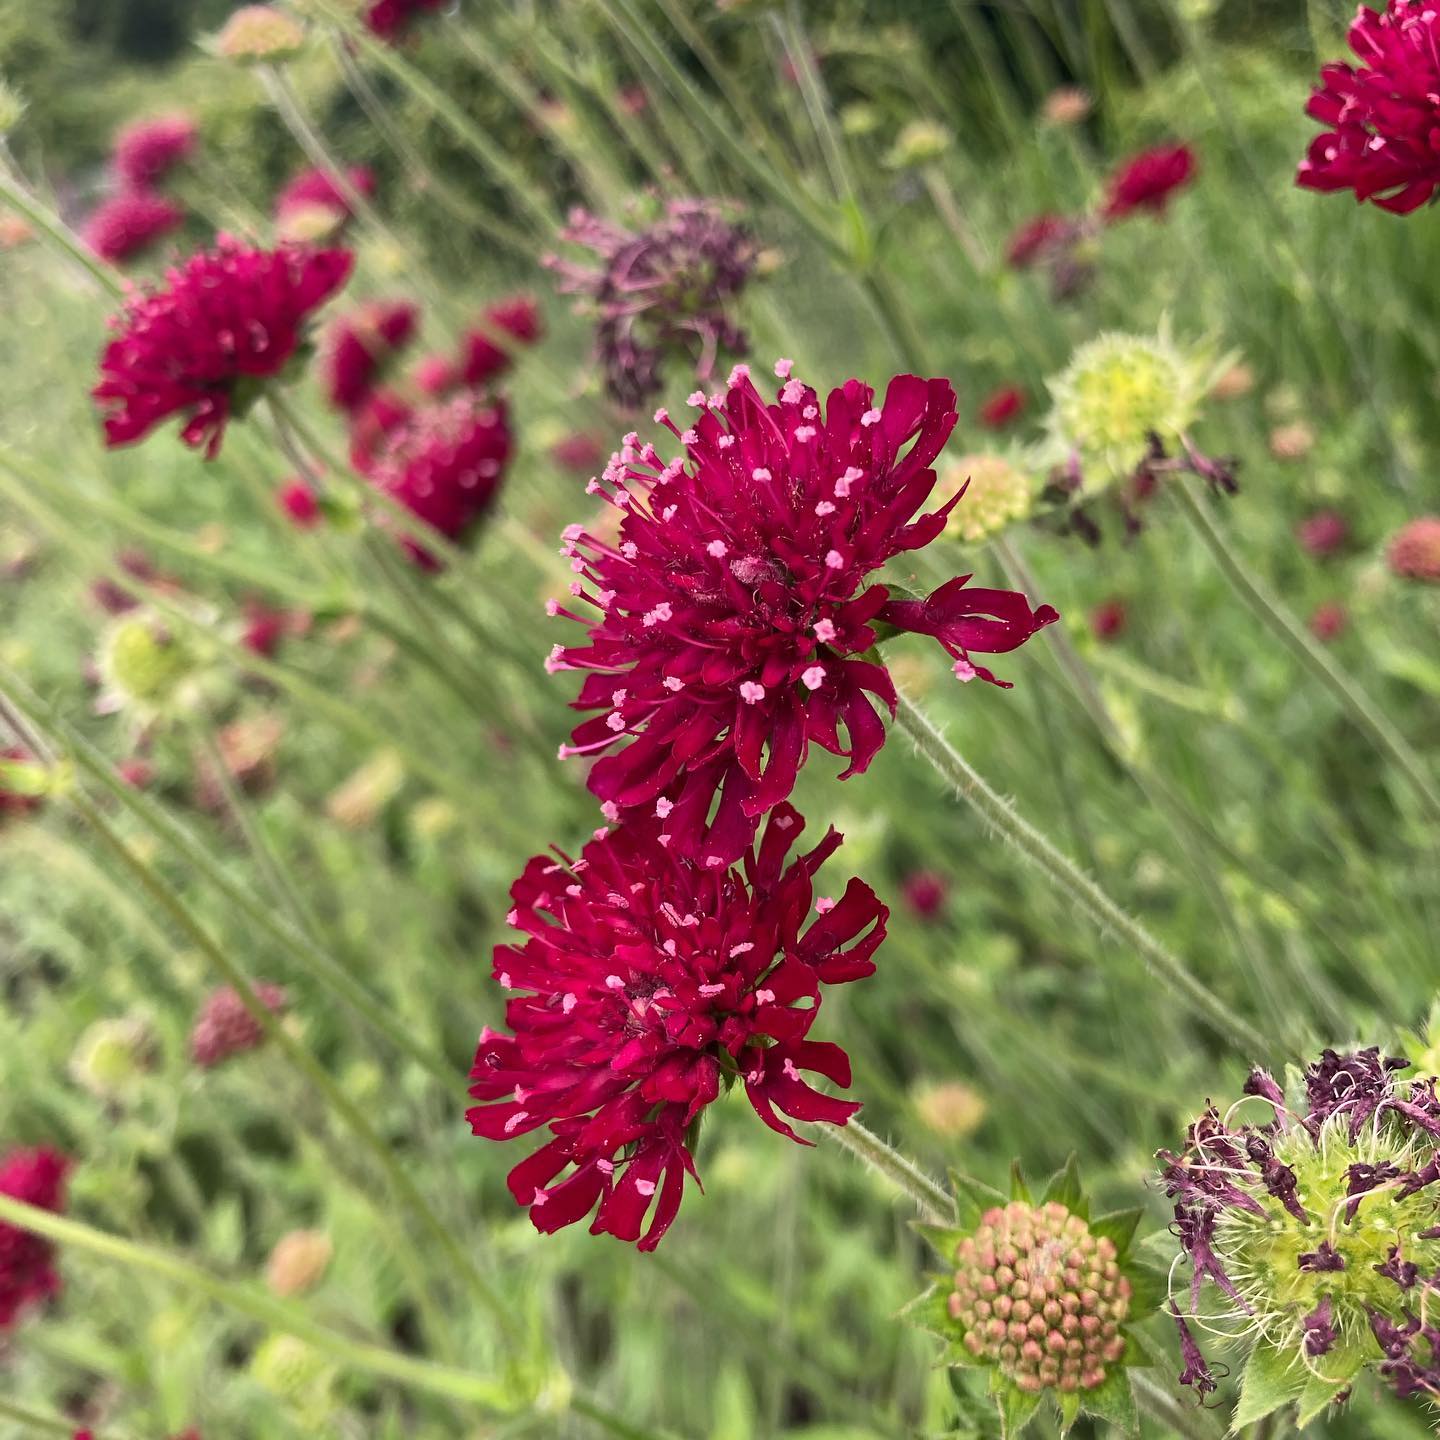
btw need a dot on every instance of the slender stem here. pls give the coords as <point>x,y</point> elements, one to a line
<point>1159,1403</point>
<point>1071,881</point>
<point>14,194</point>
<point>1272,612</point>
<point>274,1313</point>
<point>46,1424</point>
<point>929,1197</point>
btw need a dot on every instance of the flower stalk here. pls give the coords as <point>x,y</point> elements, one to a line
<point>928,1196</point>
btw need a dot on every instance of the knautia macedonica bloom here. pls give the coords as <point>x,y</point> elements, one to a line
<point>259,34</point>
<point>1043,1297</point>
<point>203,344</point>
<point>1148,181</point>
<point>392,19</point>
<point>1323,532</point>
<point>146,152</point>
<point>361,347</point>
<point>126,226</point>
<point>486,353</point>
<point>312,206</point>
<point>1309,1214</point>
<point>1001,406</point>
<point>225,1028</point>
<point>1381,117</point>
<point>27,1262</point>
<point>650,984</point>
<point>1414,550</point>
<point>732,624</point>
<point>659,293</point>
<point>444,463</point>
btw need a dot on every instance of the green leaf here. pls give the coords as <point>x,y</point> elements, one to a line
<point>1069,1410</point>
<point>1273,1377</point>
<point>1114,1400</point>
<point>1118,1226</point>
<point>931,1312</point>
<point>1064,1187</point>
<point>942,1239</point>
<point>973,1197</point>
<point>1017,1406</point>
<point>1337,1372</point>
<point>1148,1290</point>
<point>1019,1190</point>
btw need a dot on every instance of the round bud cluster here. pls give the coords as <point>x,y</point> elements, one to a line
<point>225,1027</point>
<point>256,33</point>
<point>1041,1297</point>
<point>918,143</point>
<point>298,1262</point>
<point>998,495</point>
<point>1414,551</point>
<point>289,1368</point>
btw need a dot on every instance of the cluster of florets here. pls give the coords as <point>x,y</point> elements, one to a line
<point>1065,245</point>
<point>1120,422</point>
<point>1317,1226</point>
<point>1414,550</point>
<point>659,293</point>
<point>361,348</point>
<point>732,619</point>
<point>225,1027</point>
<point>257,35</point>
<point>315,206</point>
<point>392,19</point>
<point>202,344</point>
<point>1041,1297</point>
<point>1381,117</point>
<point>649,984</point>
<point>998,493</point>
<point>27,1261</point>
<point>136,215</point>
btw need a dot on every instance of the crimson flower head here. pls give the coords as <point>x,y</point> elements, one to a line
<point>317,190</point>
<point>1414,550</point>
<point>662,291</point>
<point>1323,532</point>
<point>444,463</point>
<point>733,614</point>
<point>925,892</point>
<point>147,151</point>
<point>1002,406</point>
<point>361,347</point>
<point>201,344</point>
<point>225,1028</point>
<point>484,353</point>
<point>1381,117</point>
<point>126,225</point>
<point>1147,181</point>
<point>649,983</point>
<point>1040,239</point>
<point>27,1261</point>
<point>299,501</point>
<point>391,19</point>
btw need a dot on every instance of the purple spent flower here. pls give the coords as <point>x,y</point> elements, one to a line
<point>1319,1327</point>
<point>1196,1373</point>
<point>659,292</point>
<point>1395,1267</point>
<point>1323,1257</point>
<point>1361,1179</point>
<point>1279,1178</point>
<point>1357,1083</point>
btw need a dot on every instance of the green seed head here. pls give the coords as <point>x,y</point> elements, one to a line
<point>146,668</point>
<point>113,1056</point>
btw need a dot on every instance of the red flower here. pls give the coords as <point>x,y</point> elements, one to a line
<point>482,356</point>
<point>1381,118</point>
<point>577,451</point>
<point>27,1261</point>
<point>147,151</point>
<point>361,347</point>
<point>444,464</point>
<point>1323,533</point>
<point>1108,620</point>
<point>1329,620</point>
<point>128,224</point>
<point>390,19</point>
<point>1001,407</point>
<point>1414,550</point>
<point>197,346</point>
<point>733,613</point>
<point>225,1027</point>
<point>651,980</point>
<point>436,375</point>
<point>266,628</point>
<point>317,190</point>
<point>381,414</point>
<point>925,893</point>
<point>1040,239</point>
<point>1147,181</point>
<point>300,503</point>
<point>15,802</point>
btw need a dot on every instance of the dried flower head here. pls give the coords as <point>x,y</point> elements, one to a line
<point>127,225</point>
<point>659,293</point>
<point>952,1110</point>
<point>1380,116</point>
<point>225,1027</point>
<point>1148,181</point>
<point>203,344</point>
<point>146,152</point>
<point>27,1261</point>
<point>732,622</point>
<point>1314,1221</point>
<point>1414,550</point>
<point>650,983</point>
<point>256,34</point>
<point>1068,105</point>
<point>1042,1297</point>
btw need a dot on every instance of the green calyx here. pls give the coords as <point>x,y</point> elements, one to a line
<point>1042,1297</point>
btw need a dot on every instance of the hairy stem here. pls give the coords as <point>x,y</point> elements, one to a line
<point>930,1198</point>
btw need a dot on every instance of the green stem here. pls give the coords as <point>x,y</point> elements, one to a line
<point>1280,621</point>
<point>273,1313</point>
<point>1070,881</point>
<point>930,1198</point>
<point>14,194</point>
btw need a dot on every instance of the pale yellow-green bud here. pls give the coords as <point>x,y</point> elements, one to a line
<point>12,108</point>
<point>920,142</point>
<point>998,495</point>
<point>291,1369</point>
<point>952,1110</point>
<point>298,1262</point>
<point>257,34</point>
<point>146,668</point>
<point>113,1056</point>
<point>859,118</point>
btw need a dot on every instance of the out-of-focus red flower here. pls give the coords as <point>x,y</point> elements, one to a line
<point>1001,407</point>
<point>1040,239</point>
<point>1148,181</point>
<point>317,190</point>
<point>392,19</point>
<point>646,981</point>
<point>1329,620</point>
<point>299,501</point>
<point>147,151</point>
<point>225,1028</point>
<point>362,346</point>
<point>266,628</point>
<point>925,892</point>
<point>383,412</point>
<point>1323,533</point>
<point>579,452</point>
<point>483,353</point>
<point>27,1261</point>
<point>126,225</point>
<point>112,596</point>
<point>137,772</point>
<point>201,344</point>
<point>1381,117</point>
<point>1414,551</point>
<point>1108,620</point>
<point>436,375</point>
